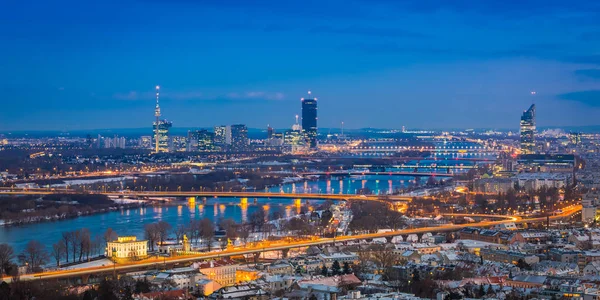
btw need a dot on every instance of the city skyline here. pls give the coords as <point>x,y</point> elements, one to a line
<point>479,61</point>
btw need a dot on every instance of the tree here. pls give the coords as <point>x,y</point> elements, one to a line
<point>179,232</point>
<point>6,256</point>
<point>230,227</point>
<point>142,286</point>
<point>257,219</point>
<point>299,270</point>
<point>336,268</point>
<point>326,216</point>
<point>523,265</point>
<point>109,235</point>
<point>35,255</point>
<point>207,231</point>
<point>106,290</point>
<point>151,232</point>
<point>346,268</point>
<point>324,270</point>
<point>163,230</point>
<point>243,233</point>
<point>66,239</point>
<point>481,291</point>
<point>58,252</point>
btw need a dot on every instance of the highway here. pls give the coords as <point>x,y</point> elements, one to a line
<point>282,245</point>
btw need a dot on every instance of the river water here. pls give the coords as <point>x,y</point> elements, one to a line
<point>132,221</point>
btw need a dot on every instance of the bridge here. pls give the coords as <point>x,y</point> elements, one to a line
<point>358,173</point>
<point>284,246</point>
<point>149,194</point>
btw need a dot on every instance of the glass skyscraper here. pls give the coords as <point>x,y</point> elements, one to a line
<point>239,138</point>
<point>528,131</point>
<point>161,135</point>
<point>309,120</point>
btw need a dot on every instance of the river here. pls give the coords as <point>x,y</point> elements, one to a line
<point>132,221</point>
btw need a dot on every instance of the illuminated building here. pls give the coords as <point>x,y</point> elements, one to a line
<point>220,138</point>
<point>528,131</point>
<point>309,120</point>
<point>127,247</point>
<point>161,129</point>
<point>239,138</point>
<point>270,132</point>
<point>161,136</point>
<point>145,142</point>
<point>201,140</point>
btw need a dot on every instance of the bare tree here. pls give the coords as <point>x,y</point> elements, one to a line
<point>58,252</point>
<point>109,235</point>
<point>194,230</point>
<point>244,233</point>
<point>85,243</point>
<point>152,235</point>
<point>163,230</point>
<point>67,238</point>
<point>35,255</point>
<point>207,231</point>
<point>179,232</point>
<point>6,256</point>
<point>230,227</point>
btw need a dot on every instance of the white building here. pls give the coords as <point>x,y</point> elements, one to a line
<point>127,247</point>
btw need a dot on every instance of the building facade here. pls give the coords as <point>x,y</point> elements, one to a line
<point>239,138</point>
<point>127,247</point>
<point>309,120</point>
<point>161,135</point>
<point>528,131</point>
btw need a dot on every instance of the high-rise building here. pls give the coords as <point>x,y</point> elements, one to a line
<point>270,132</point>
<point>220,137</point>
<point>309,119</point>
<point>239,137</point>
<point>161,129</point>
<point>161,136</point>
<point>528,131</point>
<point>201,140</point>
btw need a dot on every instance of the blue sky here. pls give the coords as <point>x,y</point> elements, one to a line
<point>70,65</point>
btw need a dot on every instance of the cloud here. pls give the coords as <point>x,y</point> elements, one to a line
<point>582,59</point>
<point>588,73</point>
<point>200,96</point>
<point>589,98</point>
<point>132,95</point>
<point>367,31</point>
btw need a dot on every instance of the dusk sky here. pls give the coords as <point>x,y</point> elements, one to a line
<point>70,65</point>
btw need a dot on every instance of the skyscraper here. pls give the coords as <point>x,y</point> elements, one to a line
<point>200,140</point>
<point>220,138</point>
<point>309,119</point>
<point>239,138</point>
<point>528,131</point>
<point>161,129</point>
<point>161,135</point>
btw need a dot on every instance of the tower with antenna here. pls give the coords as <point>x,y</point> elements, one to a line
<point>157,115</point>
<point>161,129</point>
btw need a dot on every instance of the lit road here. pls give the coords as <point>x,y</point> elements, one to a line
<point>42,191</point>
<point>348,173</point>
<point>283,245</point>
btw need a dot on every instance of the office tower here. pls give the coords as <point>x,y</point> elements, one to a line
<point>201,140</point>
<point>309,119</point>
<point>270,132</point>
<point>239,138</point>
<point>220,135</point>
<point>145,142</point>
<point>528,131</point>
<point>161,136</point>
